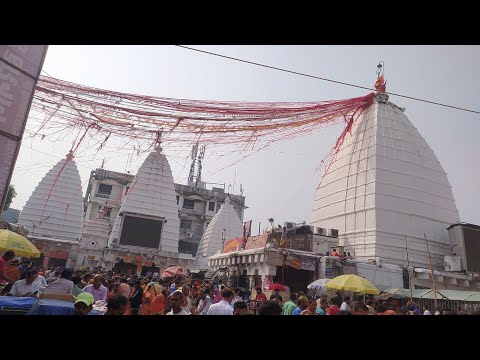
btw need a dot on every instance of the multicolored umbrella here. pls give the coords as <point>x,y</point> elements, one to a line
<point>10,240</point>
<point>173,271</point>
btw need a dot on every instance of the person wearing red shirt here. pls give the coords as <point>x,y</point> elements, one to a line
<point>260,295</point>
<point>9,255</point>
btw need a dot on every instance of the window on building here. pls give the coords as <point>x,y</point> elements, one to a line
<point>188,204</point>
<point>107,213</point>
<point>178,199</point>
<point>211,206</point>
<point>186,224</point>
<point>104,189</point>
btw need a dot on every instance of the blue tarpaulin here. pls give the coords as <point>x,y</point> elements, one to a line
<point>56,307</point>
<point>14,302</point>
<point>52,307</point>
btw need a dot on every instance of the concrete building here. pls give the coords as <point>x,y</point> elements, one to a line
<point>93,244</point>
<point>225,225</point>
<point>105,193</point>
<point>385,182</point>
<point>53,214</point>
<point>262,259</point>
<point>196,205</point>
<point>56,252</point>
<point>465,240</point>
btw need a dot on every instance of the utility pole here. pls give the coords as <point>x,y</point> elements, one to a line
<point>431,271</point>
<point>408,270</point>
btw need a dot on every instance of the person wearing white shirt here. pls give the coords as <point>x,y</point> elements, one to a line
<point>176,300</point>
<point>40,280</point>
<point>345,305</point>
<point>27,286</point>
<point>223,307</point>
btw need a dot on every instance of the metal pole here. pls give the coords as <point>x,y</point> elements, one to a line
<point>259,228</point>
<point>431,271</point>
<point>408,270</point>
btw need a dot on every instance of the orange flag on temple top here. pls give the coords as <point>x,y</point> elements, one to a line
<point>380,84</point>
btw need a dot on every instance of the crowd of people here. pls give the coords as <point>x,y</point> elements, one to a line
<point>124,294</point>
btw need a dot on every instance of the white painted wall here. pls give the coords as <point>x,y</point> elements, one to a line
<point>391,276</point>
<point>384,182</point>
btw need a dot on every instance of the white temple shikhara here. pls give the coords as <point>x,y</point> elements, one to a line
<point>385,182</point>
<point>55,208</point>
<point>224,226</point>
<point>152,196</point>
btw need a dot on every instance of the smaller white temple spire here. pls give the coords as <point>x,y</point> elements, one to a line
<point>224,226</point>
<point>55,208</point>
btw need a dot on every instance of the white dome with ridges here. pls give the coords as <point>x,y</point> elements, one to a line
<point>224,226</point>
<point>152,195</point>
<point>55,208</point>
<point>385,182</point>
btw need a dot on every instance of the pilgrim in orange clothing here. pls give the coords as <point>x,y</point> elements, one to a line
<point>11,270</point>
<point>158,305</point>
<point>149,295</point>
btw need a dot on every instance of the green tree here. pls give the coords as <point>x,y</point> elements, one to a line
<point>10,195</point>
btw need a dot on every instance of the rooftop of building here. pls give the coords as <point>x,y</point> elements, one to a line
<point>207,194</point>
<point>102,174</point>
<point>186,190</point>
<point>465,225</point>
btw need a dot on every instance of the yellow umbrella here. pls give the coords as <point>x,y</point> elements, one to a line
<point>352,283</point>
<point>10,240</point>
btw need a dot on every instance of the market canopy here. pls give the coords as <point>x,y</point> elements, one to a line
<point>452,295</point>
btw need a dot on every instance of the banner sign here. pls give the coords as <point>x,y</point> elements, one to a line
<point>308,264</point>
<point>295,262</point>
<point>275,258</point>
<point>20,67</point>
<point>247,229</point>
<point>233,245</point>
<point>256,242</point>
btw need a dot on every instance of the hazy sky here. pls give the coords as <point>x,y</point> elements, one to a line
<point>281,180</point>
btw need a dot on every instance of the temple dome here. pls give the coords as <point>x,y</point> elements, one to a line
<point>385,182</point>
<point>55,208</point>
<point>152,196</point>
<point>224,226</point>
